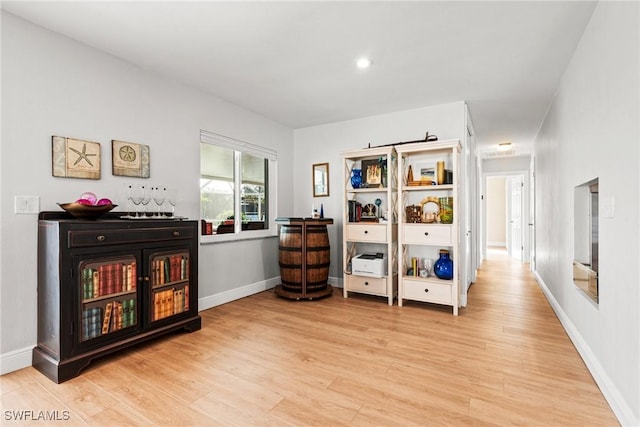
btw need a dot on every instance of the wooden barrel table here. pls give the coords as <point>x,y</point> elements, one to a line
<point>304,258</point>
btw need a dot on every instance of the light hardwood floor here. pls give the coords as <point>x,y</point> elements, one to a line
<point>263,360</point>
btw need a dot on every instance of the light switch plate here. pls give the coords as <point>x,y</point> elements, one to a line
<point>607,207</point>
<point>27,204</point>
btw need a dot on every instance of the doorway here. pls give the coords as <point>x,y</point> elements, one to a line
<point>506,213</point>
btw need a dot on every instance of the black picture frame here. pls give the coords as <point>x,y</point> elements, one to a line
<point>372,173</point>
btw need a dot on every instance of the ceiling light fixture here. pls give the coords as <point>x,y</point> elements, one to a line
<point>504,146</point>
<point>363,63</point>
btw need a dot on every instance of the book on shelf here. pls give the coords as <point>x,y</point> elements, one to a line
<point>91,323</point>
<point>107,317</point>
<point>178,301</point>
<point>107,279</point>
<point>96,283</point>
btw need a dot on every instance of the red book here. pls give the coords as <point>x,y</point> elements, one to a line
<point>175,268</point>
<point>134,277</point>
<point>102,274</point>
<point>117,276</point>
<point>111,285</point>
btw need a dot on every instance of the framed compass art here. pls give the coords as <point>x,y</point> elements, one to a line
<point>130,159</point>
<point>75,158</point>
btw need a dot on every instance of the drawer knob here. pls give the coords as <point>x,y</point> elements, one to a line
<point>101,238</point>
<point>366,283</point>
<point>176,234</point>
<point>426,233</point>
<point>366,231</point>
<point>426,290</point>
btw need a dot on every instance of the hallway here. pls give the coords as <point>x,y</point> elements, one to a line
<point>539,364</point>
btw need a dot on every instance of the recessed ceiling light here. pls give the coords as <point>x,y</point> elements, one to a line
<point>363,63</point>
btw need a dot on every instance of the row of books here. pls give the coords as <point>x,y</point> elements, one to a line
<point>357,212</point>
<point>117,315</point>
<point>106,279</point>
<point>169,302</point>
<point>169,269</point>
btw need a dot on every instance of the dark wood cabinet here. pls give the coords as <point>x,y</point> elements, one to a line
<point>107,284</point>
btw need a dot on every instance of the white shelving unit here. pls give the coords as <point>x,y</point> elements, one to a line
<point>375,235</point>
<point>428,235</point>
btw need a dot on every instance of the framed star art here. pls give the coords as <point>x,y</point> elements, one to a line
<point>130,159</point>
<point>75,158</point>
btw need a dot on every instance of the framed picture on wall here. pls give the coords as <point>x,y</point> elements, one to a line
<point>75,158</point>
<point>130,159</point>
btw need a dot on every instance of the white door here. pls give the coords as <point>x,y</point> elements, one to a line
<point>532,215</point>
<point>515,245</point>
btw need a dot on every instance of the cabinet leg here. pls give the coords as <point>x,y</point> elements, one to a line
<point>58,371</point>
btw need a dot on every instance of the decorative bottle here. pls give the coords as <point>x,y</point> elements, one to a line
<point>443,267</point>
<point>356,178</point>
<point>446,210</point>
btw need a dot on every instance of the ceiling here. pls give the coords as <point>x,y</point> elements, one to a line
<point>294,62</point>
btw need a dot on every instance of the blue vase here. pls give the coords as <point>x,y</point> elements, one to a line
<point>443,267</point>
<point>356,178</point>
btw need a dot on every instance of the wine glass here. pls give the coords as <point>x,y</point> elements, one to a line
<point>126,190</point>
<point>146,198</point>
<point>172,197</point>
<point>159,196</point>
<point>135,195</point>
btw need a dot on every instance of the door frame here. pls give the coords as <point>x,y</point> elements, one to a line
<point>526,195</point>
<point>517,253</point>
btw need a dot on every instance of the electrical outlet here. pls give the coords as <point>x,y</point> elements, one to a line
<point>27,204</point>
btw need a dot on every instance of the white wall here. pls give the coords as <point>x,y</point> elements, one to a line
<point>52,85</point>
<point>592,130</point>
<point>325,143</point>
<point>496,211</point>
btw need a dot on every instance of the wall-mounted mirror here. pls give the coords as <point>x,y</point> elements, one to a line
<point>585,238</point>
<point>320,173</point>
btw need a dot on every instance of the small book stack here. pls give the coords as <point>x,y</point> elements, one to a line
<point>170,301</point>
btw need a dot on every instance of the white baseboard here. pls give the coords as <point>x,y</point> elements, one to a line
<point>16,359</point>
<point>497,244</point>
<point>610,392</point>
<point>237,293</point>
<point>336,282</point>
<point>247,290</point>
<point>21,358</point>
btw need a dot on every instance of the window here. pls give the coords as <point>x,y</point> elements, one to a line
<point>237,186</point>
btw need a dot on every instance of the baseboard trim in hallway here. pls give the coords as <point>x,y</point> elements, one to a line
<point>610,392</point>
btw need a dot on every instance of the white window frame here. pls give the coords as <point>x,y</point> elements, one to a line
<point>238,146</point>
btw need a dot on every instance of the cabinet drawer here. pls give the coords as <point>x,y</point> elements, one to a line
<point>98,238</point>
<point>427,291</point>
<point>370,285</point>
<point>427,234</point>
<point>367,232</point>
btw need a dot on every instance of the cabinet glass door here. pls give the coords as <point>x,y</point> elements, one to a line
<point>108,290</point>
<point>169,274</point>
